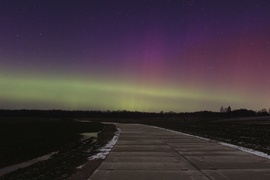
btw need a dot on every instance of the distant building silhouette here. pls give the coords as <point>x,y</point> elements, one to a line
<point>225,110</point>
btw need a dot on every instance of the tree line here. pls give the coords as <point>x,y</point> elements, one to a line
<point>224,113</point>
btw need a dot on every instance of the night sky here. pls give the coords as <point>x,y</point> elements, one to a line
<point>137,55</point>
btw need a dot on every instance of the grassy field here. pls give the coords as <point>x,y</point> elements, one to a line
<point>22,139</point>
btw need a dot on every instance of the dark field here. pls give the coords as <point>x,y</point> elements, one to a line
<point>22,139</point>
<point>252,133</point>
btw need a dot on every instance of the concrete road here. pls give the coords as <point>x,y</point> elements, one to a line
<point>145,152</point>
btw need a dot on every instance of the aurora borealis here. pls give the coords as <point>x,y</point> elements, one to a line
<point>138,55</point>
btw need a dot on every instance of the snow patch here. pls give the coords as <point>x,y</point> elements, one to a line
<point>105,150</point>
<point>80,167</point>
<point>251,151</point>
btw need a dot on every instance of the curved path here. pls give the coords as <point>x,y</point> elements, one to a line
<point>146,152</point>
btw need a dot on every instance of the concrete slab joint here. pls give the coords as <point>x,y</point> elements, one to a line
<point>145,152</point>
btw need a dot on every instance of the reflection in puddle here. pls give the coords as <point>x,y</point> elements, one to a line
<point>93,135</point>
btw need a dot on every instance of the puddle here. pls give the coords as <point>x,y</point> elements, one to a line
<point>90,135</point>
<point>15,167</point>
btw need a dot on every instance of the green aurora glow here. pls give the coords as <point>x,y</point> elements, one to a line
<point>101,94</point>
